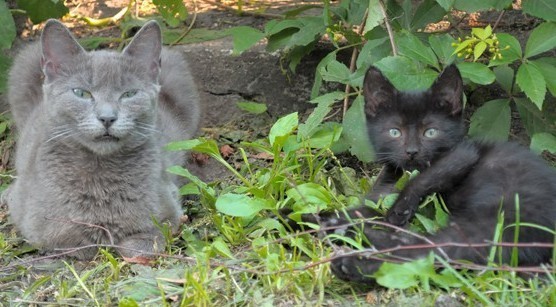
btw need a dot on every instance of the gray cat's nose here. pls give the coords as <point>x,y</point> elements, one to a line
<point>107,120</point>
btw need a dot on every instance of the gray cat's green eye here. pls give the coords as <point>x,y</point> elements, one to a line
<point>395,133</point>
<point>431,133</point>
<point>81,93</point>
<point>129,94</point>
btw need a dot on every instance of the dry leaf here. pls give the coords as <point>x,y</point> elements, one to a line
<point>226,150</point>
<point>199,158</point>
<point>174,281</point>
<point>142,260</point>
<point>263,156</point>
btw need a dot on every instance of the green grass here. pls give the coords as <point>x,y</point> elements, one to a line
<point>236,252</point>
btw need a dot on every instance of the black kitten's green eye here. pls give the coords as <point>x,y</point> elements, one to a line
<point>129,94</point>
<point>395,133</point>
<point>81,93</point>
<point>431,133</point>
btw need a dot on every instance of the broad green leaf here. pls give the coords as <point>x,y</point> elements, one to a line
<point>531,117</point>
<point>405,275</point>
<point>429,224</point>
<point>504,77</point>
<point>479,49</point>
<point>244,38</point>
<point>372,51</point>
<point>374,16</point>
<point>41,10</point>
<point>5,63</point>
<point>222,248</point>
<point>412,47</point>
<point>335,72</point>
<point>545,9</point>
<point>508,55</point>
<point>446,4</point>
<point>547,66</point>
<point>312,29</point>
<point>325,135</point>
<point>240,205</point>
<point>406,74</point>
<point>7,30</point>
<point>481,33</point>
<point>543,141</point>
<point>355,131</point>
<point>276,26</point>
<point>442,47</point>
<point>476,72</point>
<point>184,145</point>
<point>309,195</point>
<point>491,121</point>
<point>324,104</point>
<point>471,6</point>
<point>315,90</point>
<point>427,12</point>
<point>541,39</point>
<point>283,127</point>
<point>531,81</point>
<point>173,11</point>
<point>252,107</point>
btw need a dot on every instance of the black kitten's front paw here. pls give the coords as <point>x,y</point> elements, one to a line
<point>402,211</point>
<point>354,268</point>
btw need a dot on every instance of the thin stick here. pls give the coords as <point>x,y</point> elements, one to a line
<point>388,28</point>
<point>498,20</point>
<point>242,12</point>
<point>190,25</point>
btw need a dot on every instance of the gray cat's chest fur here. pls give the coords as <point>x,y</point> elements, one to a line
<point>90,165</point>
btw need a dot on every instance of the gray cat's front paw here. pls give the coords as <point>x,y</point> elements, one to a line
<point>144,245</point>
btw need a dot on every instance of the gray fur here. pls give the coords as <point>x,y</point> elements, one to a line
<point>72,171</point>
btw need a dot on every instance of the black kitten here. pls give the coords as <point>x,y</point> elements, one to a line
<point>424,131</point>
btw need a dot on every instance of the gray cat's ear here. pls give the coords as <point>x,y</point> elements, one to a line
<point>145,48</point>
<point>378,91</point>
<point>448,90</point>
<point>58,46</point>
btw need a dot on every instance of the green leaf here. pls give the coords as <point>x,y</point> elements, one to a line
<point>325,135</point>
<point>315,90</point>
<point>222,248</point>
<point>442,47</point>
<point>335,71</point>
<point>252,107</point>
<point>7,30</point>
<point>547,66</point>
<point>41,10</point>
<point>240,205</point>
<point>446,4</point>
<point>5,63</point>
<point>471,6</point>
<point>316,117</point>
<point>94,42</point>
<point>543,141</point>
<point>531,117</point>
<point>405,275</point>
<point>184,145</point>
<point>312,29</point>
<point>481,33</point>
<point>491,121</point>
<point>479,49</point>
<point>372,51</point>
<point>406,74</point>
<point>541,39</point>
<point>374,16</point>
<point>309,194</point>
<point>355,131</point>
<point>427,12</point>
<point>173,11</point>
<point>412,47</point>
<point>476,73</point>
<point>284,126</point>
<point>531,81</point>
<point>244,37</point>
<point>429,224</point>
<point>545,9</point>
<point>505,77</point>
<point>508,55</point>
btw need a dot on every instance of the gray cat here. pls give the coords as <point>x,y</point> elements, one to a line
<point>90,165</point>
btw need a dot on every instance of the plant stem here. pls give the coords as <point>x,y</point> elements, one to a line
<point>190,25</point>
<point>388,28</point>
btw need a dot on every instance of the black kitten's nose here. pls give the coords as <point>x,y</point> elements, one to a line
<point>411,153</point>
<point>107,120</point>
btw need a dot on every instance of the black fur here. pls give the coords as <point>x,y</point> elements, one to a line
<point>476,179</point>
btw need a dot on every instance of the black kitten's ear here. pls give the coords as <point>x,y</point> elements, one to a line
<point>377,90</point>
<point>146,47</point>
<point>448,90</point>
<point>58,46</point>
